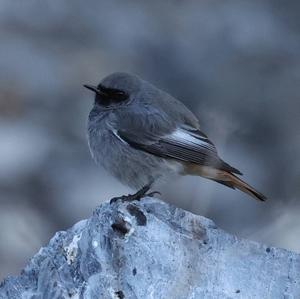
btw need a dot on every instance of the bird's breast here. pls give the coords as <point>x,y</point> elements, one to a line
<point>132,167</point>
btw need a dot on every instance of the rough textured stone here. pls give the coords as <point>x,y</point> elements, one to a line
<point>150,249</point>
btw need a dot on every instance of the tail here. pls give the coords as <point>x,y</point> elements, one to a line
<point>228,179</point>
<point>234,182</point>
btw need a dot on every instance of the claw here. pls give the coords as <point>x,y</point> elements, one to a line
<point>131,197</point>
<point>115,199</point>
<point>152,194</point>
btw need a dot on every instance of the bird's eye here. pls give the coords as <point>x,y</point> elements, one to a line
<point>113,94</point>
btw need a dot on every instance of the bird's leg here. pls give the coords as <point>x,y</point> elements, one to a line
<point>136,196</point>
<point>151,194</point>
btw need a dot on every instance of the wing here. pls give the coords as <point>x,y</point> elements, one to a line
<point>184,143</point>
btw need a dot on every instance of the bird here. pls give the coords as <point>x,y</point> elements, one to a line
<point>143,136</point>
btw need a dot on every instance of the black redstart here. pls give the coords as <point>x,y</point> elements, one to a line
<point>143,135</point>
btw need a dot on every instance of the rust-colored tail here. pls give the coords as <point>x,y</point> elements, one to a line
<point>235,182</point>
<point>226,178</point>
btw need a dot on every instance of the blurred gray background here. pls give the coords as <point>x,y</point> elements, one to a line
<point>236,64</point>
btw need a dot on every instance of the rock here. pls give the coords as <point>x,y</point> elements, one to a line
<point>150,249</point>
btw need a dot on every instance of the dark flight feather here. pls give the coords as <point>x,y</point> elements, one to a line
<point>186,145</point>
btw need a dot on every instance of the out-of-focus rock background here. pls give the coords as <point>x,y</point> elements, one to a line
<point>236,64</point>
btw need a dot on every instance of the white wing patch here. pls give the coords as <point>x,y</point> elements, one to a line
<point>115,132</point>
<point>186,137</point>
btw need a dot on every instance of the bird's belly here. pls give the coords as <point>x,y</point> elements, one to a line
<point>132,167</point>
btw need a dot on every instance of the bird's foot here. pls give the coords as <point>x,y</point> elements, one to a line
<point>153,193</point>
<point>136,196</point>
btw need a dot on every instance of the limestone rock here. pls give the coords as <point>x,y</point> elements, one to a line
<point>150,249</point>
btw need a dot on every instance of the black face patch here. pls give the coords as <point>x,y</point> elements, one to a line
<point>110,96</point>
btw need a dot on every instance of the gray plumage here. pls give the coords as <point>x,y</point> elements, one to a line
<point>142,135</point>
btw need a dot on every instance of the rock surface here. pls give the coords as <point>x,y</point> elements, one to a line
<point>150,249</point>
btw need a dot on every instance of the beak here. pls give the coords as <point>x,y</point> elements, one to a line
<point>92,87</point>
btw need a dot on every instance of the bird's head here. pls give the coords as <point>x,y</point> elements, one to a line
<point>115,90</point>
